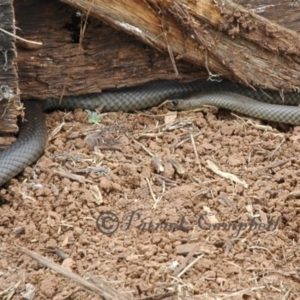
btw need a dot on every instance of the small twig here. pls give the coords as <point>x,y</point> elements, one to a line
<point>227,175</point>
<point>55,131</point>
<point>19,38</point>
<point>190,265</point>
<point>164,179</point>
<point>195,152</point>
<point>275,164</point>
<point>100,170</point>
<point>248,121</point>
<point>240,292</point>
<point>58,252</point>
<point>266,249</point>
<point>186,260</point>
<point>102,289</point>
<point>211,75</point>
<point>276,149</point>
<point>69,175</point>
<point>151,116</point>
<point>170,50</point>
<point>159,296</point>
<point>143,147</point>
<point>151,190</point>
<point>164,127</point>
<point>186,139</point>
<point>10,291</point>
<point>156,199</point>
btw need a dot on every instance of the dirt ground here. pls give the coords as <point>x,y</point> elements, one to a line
<point>202,205</point>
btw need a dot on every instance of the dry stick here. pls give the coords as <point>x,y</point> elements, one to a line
<point>170,51</point>
<point>143,147</point>
<point>249,121</point>
<point>265,249</point>
<point>69,175</point>
<point>186,260</point>
<point>156,199</point>
<point>277,148</point>
<point>167,181</point>
<point>196,152</point>
<point>190,265</point>
<point>159,296</point>
<point>213,167</point>
<point>276,164</point>
<point>239,292</point>
<point>10,291</point>
<point>19,38</point>
<point>187,139</point>
<point>103,289</point>
<point>151,192</point>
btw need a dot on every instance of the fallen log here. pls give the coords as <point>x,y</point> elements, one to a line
<point>8,74</point>
<point>225,38</point>
<point>256,44</point>
<point>79,54</point>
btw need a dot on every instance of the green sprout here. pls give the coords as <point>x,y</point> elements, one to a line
<point>94,118</point>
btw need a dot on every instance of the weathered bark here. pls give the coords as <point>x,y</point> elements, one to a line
<point>8,74</point>
<point>224,37</point>
<point>105,58</point>
<point>226,40</point>
<point>284,13</point>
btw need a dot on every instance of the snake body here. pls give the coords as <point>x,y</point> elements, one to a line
<point>240,104</point>
<point>28,147</point>
<point>33,134</point>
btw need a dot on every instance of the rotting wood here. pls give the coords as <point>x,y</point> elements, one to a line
<point>217,37</point>
<point>197,31</point>
<point>236,21</point>
<point>106,57</point>
<point>284,13</point>
<point>8,75</point>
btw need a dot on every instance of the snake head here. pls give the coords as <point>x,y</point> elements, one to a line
<point>171,104</point>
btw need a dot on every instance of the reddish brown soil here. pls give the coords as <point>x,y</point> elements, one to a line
<point>46,210</point>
